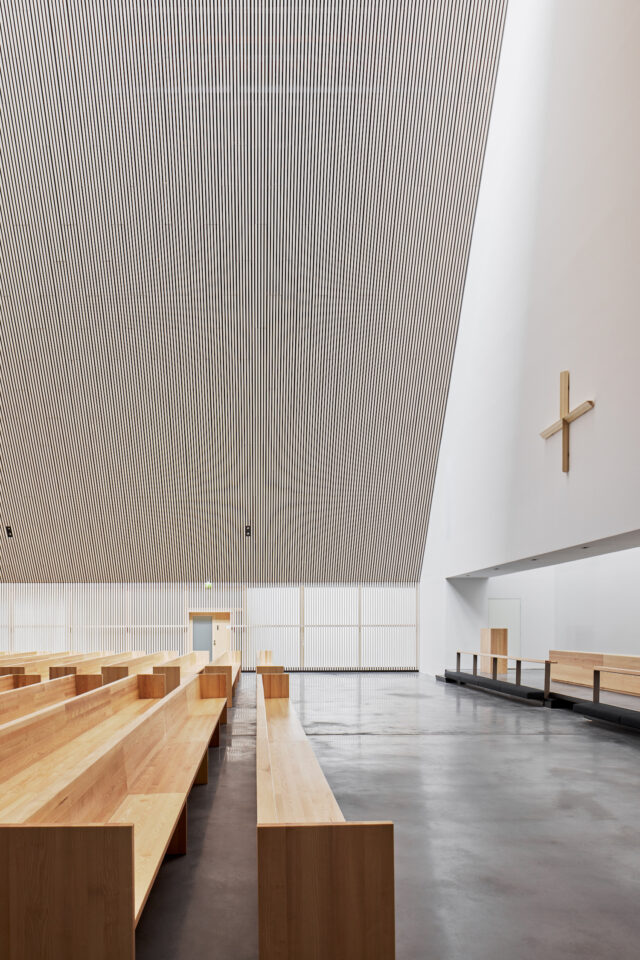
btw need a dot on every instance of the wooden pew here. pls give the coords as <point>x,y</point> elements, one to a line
<point>576,667</point>
<point>141,664</point>
<point>86,836</point>
<point>182,668</point>
<point>325,886</point>
<point>29,697</point>
<point>41,664</point>
<point>230,665</point>
<point>265,663</point>
<point>90,665</point>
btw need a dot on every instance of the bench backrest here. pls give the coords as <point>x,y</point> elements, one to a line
<point>31,738</point>
<point>117,671</point>
<point>41,664</point>
<point>175,671</point>
<point>91,665</point>
<point>12,681</point>
<point>115,766</point>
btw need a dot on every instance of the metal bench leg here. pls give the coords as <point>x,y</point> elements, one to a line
<point>547,680</point>
<point>518,672</point>
<point>596,686</point>
<point>458,661</point>
<point>494,667</point>
<point>475,664</point>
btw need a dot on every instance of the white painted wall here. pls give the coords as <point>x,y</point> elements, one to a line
<point>552,284</point>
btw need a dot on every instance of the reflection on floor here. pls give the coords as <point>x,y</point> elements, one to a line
<point>516,826</point>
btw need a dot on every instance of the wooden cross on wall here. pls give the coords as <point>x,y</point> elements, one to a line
<point>566,417</point>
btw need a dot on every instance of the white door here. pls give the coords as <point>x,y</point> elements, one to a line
<point>506,613</point>
<point>221,639</point>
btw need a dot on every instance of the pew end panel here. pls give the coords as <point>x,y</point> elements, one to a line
<point>86,682</point>
<point>275,686</point>
<point>67,891</point>
<point>171,675</point>
<point>151,686</point>
<point>326,890</point>
<point>25,679</point>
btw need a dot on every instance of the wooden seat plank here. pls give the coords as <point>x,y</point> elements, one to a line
<point>154,820</point>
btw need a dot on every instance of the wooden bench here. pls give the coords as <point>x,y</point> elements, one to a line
<point>180,669</point>
<point>230,665</point>
<point>11,681</point>
<point>28,698</point>
<point>41,664</point>
<point>325,886</point>
<point>141,664</point>
<point>576,667</point>
<point>494,657</point>
<point>89,664</point>
<point>89,810</point>
<point>265,663</point>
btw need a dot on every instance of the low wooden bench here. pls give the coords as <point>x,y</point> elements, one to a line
<point>41,664</point>
<point>494,657</point>
<point>29,697</point>
<point>142,664</point>
<point>180,669</point>
<point>230,665</point>
<point>12,681</point>
<point>89,664</point>
<point>265,663</point>
<point>89,810</point>
<point>325,886</point>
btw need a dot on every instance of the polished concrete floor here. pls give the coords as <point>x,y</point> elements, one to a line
<point>516,827</point>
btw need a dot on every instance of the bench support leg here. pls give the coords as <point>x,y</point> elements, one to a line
<point>458,660</point>
<point>547,680</point>
<point>518,672</point>
<point>475,664</point>
<point>494,667</point>
<point>202,776</point>
<point>596,686</point>
<point>178,843</point>
<point>215,736</point>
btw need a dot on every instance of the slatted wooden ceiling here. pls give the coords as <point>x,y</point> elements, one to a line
<point>234,241</point>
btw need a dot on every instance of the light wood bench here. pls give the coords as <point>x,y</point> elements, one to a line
<point>29,698</point>
<point>41,664</point>
<point>90,664</point>
<point>494,657</point>
<point>230,665</point>
<point>325,886</point>
<point>141,664</point>
<point>85,825</point>
<point>181,669</point>
<point>11,681</point>
<point>577,666</point>
<point>265,663</point>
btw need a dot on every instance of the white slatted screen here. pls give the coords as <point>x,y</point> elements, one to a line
<point>307,627</point>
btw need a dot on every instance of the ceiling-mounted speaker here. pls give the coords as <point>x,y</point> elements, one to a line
<point>9,531</point>
<point>247,530</point>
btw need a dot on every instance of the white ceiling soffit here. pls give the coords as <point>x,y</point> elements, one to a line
<point>234,242</point>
